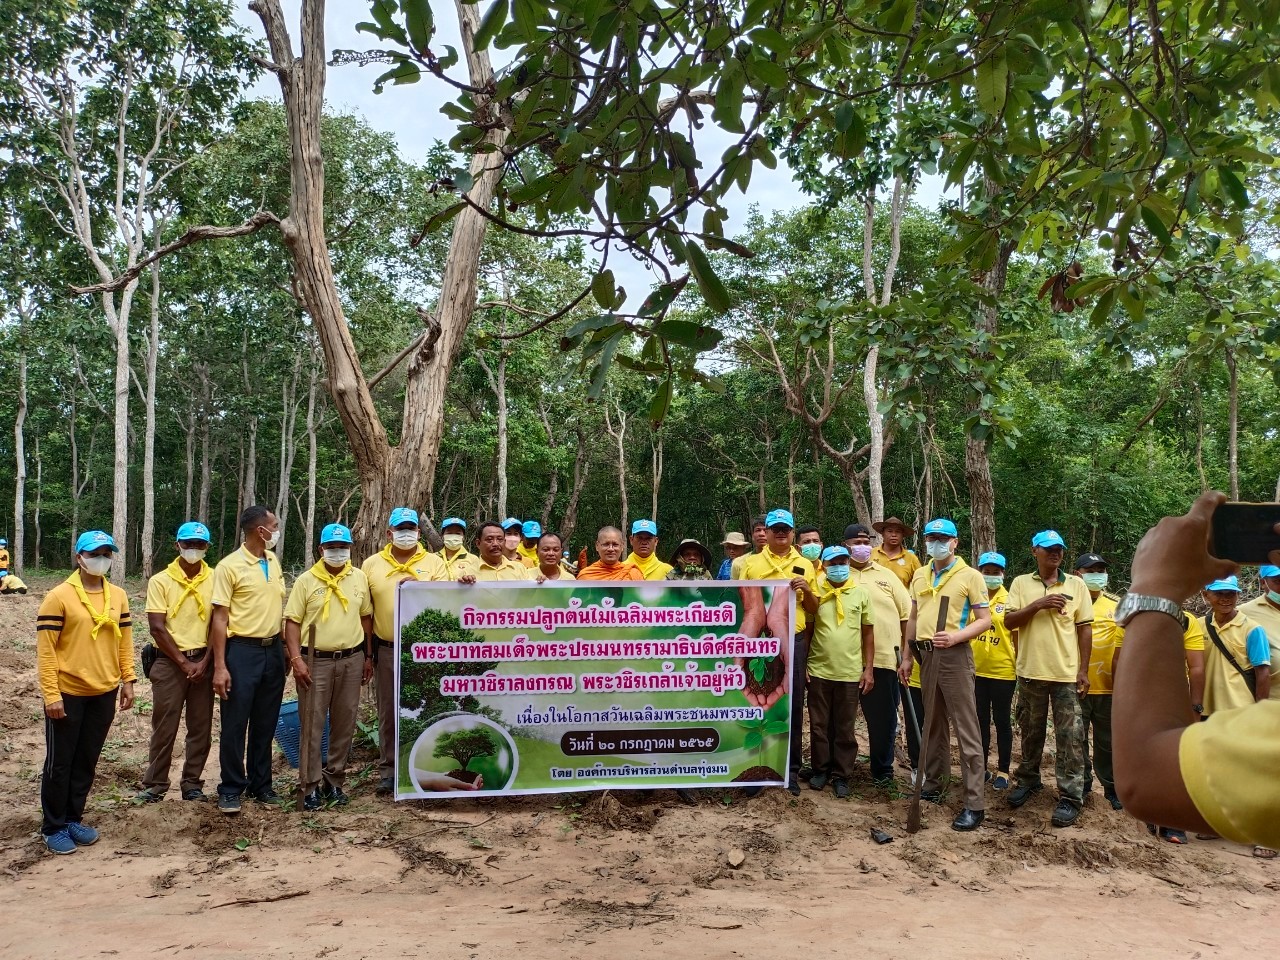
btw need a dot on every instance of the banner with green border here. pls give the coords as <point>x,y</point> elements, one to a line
<point>515,688</point>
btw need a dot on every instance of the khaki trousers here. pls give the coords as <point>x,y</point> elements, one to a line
<point>384,678</point>
<point>946,680</point>
<point>335,689</point>
<point>171,693</point>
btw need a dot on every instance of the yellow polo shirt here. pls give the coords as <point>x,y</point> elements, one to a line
<point>993,655</point>
<point>890,607</point>
<point>254,598</point>
<point>384,575</point>
<point>766,565</point>
<point>187,621</point>
<point>961,583</point>
<point>1047,645</point>
<point>504,570</point>
<point>1267,615</point>
<point>1105,634</point>
<point>836,651</point>
<point>1224,688</point>
<point>903,566</point>
<point>340,628</point>
<point>71,657</point>
<point>455,567</point>
<point>528,555</point>
<point>1228,764</point>
<point>653,568</point>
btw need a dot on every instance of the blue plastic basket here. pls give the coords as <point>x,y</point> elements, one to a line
<point>289,733</point>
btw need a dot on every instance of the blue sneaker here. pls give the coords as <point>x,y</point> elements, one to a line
<point>60,842</point>
<point>82,835</point>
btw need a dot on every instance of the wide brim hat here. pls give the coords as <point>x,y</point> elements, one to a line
<point>706,554</point>
<point>879,525</point>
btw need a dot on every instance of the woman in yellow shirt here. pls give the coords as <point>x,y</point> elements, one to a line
<point>995,677</point>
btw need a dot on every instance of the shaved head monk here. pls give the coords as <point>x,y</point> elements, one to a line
<point>610,566</point>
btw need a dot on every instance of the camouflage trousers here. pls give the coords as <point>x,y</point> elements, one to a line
<point>1036,698</point>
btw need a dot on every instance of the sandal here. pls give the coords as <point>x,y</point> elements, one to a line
<point>1264,853</point>
<point>1172,835</point>
<point>1207,836</point>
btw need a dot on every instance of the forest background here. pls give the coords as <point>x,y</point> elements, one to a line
<point>1076,336</point>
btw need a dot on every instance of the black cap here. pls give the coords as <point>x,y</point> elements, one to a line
<point>856,530</point>
<point>1088,560</point>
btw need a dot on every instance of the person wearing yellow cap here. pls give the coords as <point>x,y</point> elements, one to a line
<point>644,547</point>
<point>84,658</point>
<point>1052,614</point>
<point>330,606</point>
<point>179,605</point>
<point>402,557</point>
<point>454,553</point>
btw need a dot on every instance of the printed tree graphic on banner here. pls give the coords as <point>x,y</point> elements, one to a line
<point>465,746</point>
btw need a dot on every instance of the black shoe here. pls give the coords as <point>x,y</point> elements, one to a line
<point>228,804</point>
<point>335,796</point>
<point>751,791</point>
<point>313,801</point>
<point>195,794</point>
<point>968,820</point>
<point>1021,794</point>
<point>1114,801</point>
<point>840,788</point>
<point>686,796</point>
<point>931,796</point>
<point>805,773</point>
<point>819,781</point>
<point>1065,814</point>
<point>386,786</point>
<point>794,787</point>
<point>267,797</point>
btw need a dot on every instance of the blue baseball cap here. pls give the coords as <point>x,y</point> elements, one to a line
<point>992,557</point>
<point>531,529</point>
<point>775,517</point>
<point>644,526</point>
<point>833,552</point>
<point>3,542</point>
<point>1226,583</point>
<point>510,522</point>
<point>93,539</point>
<point>402,515</point>
<point>193,530</point>
<point>453,522</point>
<point>1266,572</point>
<point>335,533</point>
<point>942,526</point>
<point>1048,538</point>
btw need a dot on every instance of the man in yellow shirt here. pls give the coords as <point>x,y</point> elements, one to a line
<point>179,604</point>
<point>330,604</point>
<point>780,560</point>
<point>994,676</point>
<point>402,557</point>
<point>1051,615</point>
<point>890,608</point>
<point>453,533</point>
<point>248,659</point>
<point>530,532</point>
<point>1238,656</point>
<point>610,565</point>
<point>841,659</point>
<point>759,537</point>
<point>494,564</point>
<point>551,564</point>
<point>892,553</point>
<point>949,608</point>
<point>84,655</point>
<point>1264,610</point>
<point>1095,706</point>
<point>1218,775</point>
<point>512,541</point>
<point>644,546</point>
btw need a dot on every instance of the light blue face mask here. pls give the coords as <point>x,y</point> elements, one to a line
<point>1094,581</point>
<point>811,551</point>
<point>1273,597</point>
<point>993,583</point>
<point>838,574</point>
<point>938,549</point>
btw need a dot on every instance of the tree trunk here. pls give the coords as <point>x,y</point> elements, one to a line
<point>206,455</point>
<point>149,427</point>
<point>190,429</point>
<point>75,468</point>
<point>553,482</point>
<point>20,468</point>
<point>1233,424</point>
<point>36,559</point>
<point>309,524</point>
<point>657,448</point>
<point>581,467</point>
<point>498,384</point>
<point>120,467</point>
<point>619,435</point>
<point>249,491</point>
<point>288,427</point>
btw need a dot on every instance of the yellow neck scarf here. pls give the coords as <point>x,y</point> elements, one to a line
<point>644,564</point>
<point>331,587</point>
<point>530,552</point>
<point>100,620</point>
<point>400,569</point>
<point>833,593</point>
<point>778,563</point>
<point>190,588</point>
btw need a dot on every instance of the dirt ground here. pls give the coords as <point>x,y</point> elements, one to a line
<point>580,875</point>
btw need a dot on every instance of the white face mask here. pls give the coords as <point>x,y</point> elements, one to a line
<point>938,549</point>
<point>452,541</point>
<point>337,556</point>
<point>193,556</point>
<point>1094,581</point>
<point>96,566</point>
<point>404,539</point>
<point>269,541</point>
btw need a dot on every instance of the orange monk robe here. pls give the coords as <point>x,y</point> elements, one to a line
<point>618,571</point>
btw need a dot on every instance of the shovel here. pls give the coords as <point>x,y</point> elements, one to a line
<point>913,814</point>
<point>304,717</point>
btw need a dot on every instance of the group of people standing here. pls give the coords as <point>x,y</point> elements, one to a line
<point>871,621</point>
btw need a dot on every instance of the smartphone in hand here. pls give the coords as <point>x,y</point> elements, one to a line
<point>1245,532</point>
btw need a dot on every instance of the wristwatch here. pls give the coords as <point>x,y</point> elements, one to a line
<point>1136,603</point>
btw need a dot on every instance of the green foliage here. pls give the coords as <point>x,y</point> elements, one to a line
<point>420,682</point>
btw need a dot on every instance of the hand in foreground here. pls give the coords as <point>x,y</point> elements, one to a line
<point>126,695</point>
<point>56,710</point>
<point>222,682</point>
<point>443,783</point>
<point>1173,559</point>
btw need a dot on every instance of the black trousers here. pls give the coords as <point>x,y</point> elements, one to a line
<point>799,673</point>
<point>72,747</point>
<point>880,707</point>
<point>995,702</point>
<point>913,741</point>
<point>249,714</point>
